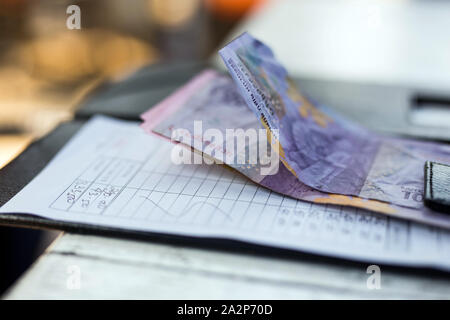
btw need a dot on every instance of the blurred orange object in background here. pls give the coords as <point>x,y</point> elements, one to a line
<point>232,9</point>
<point>12,145</point>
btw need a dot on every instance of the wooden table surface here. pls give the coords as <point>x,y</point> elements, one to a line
<point>92,267</point>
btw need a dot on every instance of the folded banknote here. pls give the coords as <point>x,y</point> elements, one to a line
<point>328,154</point>
<point>213,100</point>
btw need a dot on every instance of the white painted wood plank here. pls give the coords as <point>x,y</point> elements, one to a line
<point>126,269</point>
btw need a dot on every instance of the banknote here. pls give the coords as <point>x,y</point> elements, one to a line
<point>325,152</point>
<point>213,99</point>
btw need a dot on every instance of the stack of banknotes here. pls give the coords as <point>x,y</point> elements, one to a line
<point>306,150</point>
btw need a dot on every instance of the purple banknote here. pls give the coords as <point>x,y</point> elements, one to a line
<point>213,100</point>
<point>324,152</point>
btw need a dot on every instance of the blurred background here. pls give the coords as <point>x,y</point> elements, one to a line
<point>46,68</point>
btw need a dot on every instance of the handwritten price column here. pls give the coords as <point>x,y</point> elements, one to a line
<point>97,186</point>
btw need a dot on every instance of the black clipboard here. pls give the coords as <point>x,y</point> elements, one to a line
<point>131,97</point>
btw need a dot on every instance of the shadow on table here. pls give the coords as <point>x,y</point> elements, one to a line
<point>19,248</point>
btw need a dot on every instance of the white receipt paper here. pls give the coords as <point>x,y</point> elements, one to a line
<point>113,174</point>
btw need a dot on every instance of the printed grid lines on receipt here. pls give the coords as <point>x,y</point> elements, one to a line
<point>113,174</point>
